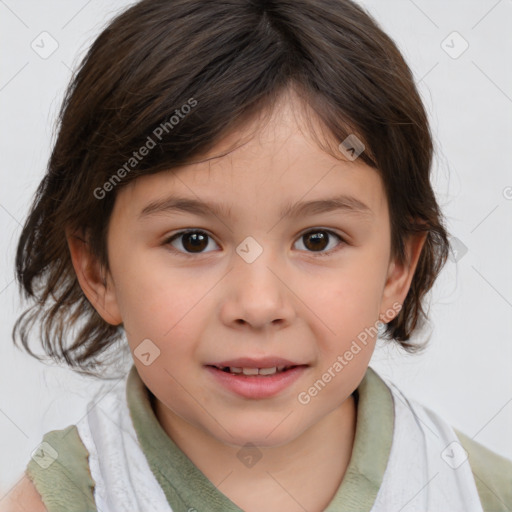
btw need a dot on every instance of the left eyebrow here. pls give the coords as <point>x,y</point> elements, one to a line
<point>348,204</point>
<point>344,203</point>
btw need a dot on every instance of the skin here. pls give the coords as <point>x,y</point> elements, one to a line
<point>22,497</point>
<point>290,302</point>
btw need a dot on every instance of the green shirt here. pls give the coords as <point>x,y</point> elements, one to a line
<point>67,485</point>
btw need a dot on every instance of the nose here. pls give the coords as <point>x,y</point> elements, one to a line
<point>257,295</point>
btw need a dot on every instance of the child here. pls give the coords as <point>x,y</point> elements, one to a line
<point>205,148</point>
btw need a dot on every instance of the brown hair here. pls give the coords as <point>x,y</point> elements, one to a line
<point>232,59</point>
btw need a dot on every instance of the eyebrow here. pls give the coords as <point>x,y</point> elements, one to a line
<point>344,203</point>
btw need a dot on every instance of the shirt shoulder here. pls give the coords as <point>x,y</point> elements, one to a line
<point>492,473</point>
<point>59,469</point>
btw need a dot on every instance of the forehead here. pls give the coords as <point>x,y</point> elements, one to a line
<point>269,164</point>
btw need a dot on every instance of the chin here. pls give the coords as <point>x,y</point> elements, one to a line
<point>258,434</point>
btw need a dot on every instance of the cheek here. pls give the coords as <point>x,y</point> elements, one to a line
<point>160,321</point>
<point>347,311</point>
<point>349,299</point>
<point>167,317</point>
<point>154,298</point>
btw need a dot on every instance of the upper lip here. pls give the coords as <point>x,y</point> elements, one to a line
<point>249,362</point>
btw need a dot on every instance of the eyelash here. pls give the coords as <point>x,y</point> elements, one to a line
<point>168,240</point>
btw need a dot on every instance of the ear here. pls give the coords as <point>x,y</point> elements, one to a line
<point>400,275</point>
<point>97,287</point>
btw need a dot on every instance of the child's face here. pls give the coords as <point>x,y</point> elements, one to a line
<point>208,300</point>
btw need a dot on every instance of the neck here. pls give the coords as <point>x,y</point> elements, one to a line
<point>303,474</point>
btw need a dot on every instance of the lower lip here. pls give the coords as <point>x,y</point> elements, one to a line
<point>257,386</point>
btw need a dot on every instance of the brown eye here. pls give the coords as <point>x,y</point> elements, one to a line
<point>318,240</point>
<point>193,242</point>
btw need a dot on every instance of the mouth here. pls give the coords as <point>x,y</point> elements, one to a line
<point>256,379</point>
<point>251,371</point>
<point>255,366</point>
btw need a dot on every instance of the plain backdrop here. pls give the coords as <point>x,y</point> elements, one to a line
<point>460,53</point>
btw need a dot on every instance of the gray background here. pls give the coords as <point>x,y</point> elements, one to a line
<point>465,375</point>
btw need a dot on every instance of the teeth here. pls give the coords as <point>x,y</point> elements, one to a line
<point>267,371</point>
<point>250,371</point>
<point>253,371</point>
